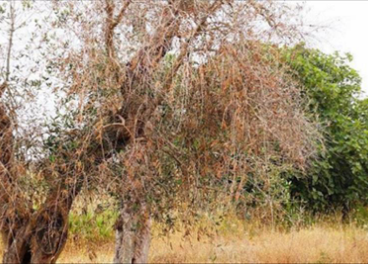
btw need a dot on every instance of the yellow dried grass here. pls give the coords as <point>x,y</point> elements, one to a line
<point>319,244</point>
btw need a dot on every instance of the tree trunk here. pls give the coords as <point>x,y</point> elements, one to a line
<point>37,242</point>
<point>41,236</point>
<point>133,234</point>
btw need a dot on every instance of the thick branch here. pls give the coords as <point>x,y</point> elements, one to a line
<point>111,24</point>
<point>157,47</point>
<point>121,13</point>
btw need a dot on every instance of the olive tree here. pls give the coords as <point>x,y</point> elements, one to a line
<point>162,100</point>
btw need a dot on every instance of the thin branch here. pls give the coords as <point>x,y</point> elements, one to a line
<point>184,50</point>
<point>10,44</point>
<point>2,88</point>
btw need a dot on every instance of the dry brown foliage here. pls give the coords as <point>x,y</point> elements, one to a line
<point>167,99</point>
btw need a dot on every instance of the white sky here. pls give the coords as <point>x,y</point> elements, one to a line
<point>345,29</point>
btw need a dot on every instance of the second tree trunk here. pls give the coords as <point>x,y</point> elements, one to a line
<point>133,236</point>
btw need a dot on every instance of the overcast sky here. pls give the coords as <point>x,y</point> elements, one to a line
<point>345,24</point>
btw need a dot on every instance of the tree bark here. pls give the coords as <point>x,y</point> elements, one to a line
<point>132,239</point>
<point>39,237</point>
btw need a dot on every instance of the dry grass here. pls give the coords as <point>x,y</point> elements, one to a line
<point>323,244</point>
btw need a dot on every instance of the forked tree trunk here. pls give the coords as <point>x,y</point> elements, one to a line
<point>39,240</point>
<point>133,234</point>
<point>38,237</point>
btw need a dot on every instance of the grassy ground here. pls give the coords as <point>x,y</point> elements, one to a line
<point>91,240</point>
<point>319,244</point>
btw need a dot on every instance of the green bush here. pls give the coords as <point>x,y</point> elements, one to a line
<point>338,179</point>
<point>91,225</point>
